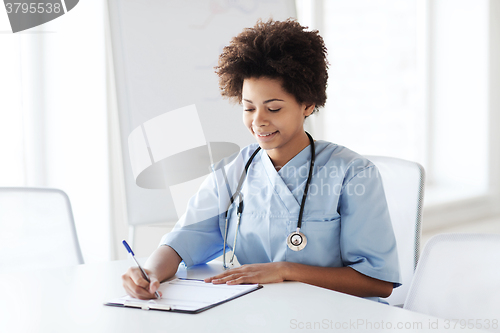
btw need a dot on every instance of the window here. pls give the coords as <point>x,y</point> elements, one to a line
<point>11,117</point>
<point>411,79</point>
<point>53,117</point>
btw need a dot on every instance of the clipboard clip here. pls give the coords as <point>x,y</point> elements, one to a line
<point>143,306</point>
<point>151,305</point>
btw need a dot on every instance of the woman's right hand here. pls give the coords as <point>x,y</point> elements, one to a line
<point>137,286</point>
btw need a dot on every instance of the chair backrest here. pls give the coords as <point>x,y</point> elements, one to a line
<point>37,229</point>
<point>404,190</point>
<point>458,277</point>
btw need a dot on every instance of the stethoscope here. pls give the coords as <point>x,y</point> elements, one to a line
<point>296,240</point>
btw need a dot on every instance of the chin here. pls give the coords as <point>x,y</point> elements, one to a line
<point>267,146</point>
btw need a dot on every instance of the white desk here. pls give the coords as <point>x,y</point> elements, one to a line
<point>71,300</point>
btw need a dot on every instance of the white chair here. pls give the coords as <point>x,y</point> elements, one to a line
<point>458,277</point>
<point>404,189</point>
<point>37,229</point>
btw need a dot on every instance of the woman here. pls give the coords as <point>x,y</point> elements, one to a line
<point>324,223</point>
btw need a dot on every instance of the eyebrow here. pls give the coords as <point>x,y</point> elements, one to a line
<point>268,101</point>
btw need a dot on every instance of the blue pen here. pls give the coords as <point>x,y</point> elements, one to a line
<point>143,271</point>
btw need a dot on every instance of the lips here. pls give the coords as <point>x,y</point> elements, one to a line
<point>266,134</point>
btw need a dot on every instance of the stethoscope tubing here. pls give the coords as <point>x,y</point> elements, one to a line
<point>240,203</point>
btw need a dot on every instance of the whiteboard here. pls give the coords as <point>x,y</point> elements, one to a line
<point>164,53</point>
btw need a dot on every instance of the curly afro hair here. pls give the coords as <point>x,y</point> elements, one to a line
<point>277,50</point>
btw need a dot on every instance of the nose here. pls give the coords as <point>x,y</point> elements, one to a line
<point>259,117</point>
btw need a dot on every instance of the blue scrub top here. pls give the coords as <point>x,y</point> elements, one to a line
<point>346,219</point>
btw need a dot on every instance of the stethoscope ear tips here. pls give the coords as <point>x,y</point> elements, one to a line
<point>226,266</point>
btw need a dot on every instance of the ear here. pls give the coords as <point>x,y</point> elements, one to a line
<point>308,109</point>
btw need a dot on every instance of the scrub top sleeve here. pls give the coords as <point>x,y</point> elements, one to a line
<point>196,237</point>
<point>367,241</point>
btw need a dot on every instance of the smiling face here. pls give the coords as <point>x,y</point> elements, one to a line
<point>275,118</point>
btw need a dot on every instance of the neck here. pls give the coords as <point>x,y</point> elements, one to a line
<point>281,156</point>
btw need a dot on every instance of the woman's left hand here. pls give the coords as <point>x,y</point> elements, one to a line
<point>252,273</point>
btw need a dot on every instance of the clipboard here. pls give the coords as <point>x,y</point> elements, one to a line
<point>187,296</point>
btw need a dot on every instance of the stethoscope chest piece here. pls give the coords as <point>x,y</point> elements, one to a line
<point>296,241</point>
